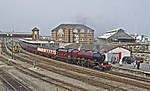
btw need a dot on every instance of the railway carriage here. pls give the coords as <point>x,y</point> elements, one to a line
<point>47,51</point>
<point>83,58</point>
<point>29,46</point>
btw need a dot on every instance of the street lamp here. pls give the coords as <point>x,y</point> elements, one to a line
<point>11,35</point>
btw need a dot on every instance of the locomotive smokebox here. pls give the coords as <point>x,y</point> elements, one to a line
<point>99,57</point>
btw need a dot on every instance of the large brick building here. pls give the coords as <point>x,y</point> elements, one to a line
<point>73,33</point>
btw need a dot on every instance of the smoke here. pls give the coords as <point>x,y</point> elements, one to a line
<point>80,19</point>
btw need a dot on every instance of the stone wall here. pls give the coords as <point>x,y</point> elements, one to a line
<point>138,47</point>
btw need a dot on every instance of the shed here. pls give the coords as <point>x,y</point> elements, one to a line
<point>117,54</point>
<point>116,35</point>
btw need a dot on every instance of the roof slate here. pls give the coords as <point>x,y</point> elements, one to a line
<point>73,26</point>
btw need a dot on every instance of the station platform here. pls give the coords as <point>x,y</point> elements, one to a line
<point>143,66</point>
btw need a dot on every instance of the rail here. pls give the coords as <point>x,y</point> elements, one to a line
<point>12,82</point>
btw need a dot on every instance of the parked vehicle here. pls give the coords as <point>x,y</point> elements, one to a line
<point>131,59</point>
<point>139,59</point>
<point>128,59</point>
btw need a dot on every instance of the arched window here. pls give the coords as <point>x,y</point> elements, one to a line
<point>82,30</point>
<point>75,30</point>
<point>60,32</point>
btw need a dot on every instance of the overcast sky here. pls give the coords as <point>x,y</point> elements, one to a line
<point>100,15</point>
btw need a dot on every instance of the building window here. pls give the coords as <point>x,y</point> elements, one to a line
<point>76,35</point>
<point>82,35</point>
<point>82,30</point>
<point>86,31</point>
<point>60,32</point>
<point>75,30</point>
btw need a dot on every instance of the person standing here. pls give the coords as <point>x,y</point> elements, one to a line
<point>134,64</point>
<point>149,65</point>
<point>34,64</point>
<point>138,64</point>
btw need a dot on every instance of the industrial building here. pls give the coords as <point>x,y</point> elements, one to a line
<point>116,35</point>
<point>73,33</point>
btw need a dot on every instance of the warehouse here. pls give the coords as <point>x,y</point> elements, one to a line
<point>116,54</point>
<point>116,35</point>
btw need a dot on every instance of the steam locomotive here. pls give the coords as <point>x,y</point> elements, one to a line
<point>84,58</point>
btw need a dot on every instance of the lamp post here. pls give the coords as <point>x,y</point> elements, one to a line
<point>11,36</point>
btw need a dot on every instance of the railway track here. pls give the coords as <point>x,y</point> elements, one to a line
<point>40,76</point>
<point>75,76</point>
<point>130,76</point>
<point>56,82</point>
<point>87,71</point>
<point>12,83</point>
<point>97,74</point>
<point>44,78</point>
<point>110,72</point>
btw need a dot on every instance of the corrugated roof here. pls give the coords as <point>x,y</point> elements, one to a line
<point>115,30</point>
<point>110,33</point>
<point>107,35</point>
<point>30,41</point>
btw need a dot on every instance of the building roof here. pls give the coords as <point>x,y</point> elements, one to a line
<point>110,33</point>
<point>106,35</point>
<point>36,42</point>
<point>73,26</point>
<point>117,47</point>
<point>20,33</point>
<point>35,29</point>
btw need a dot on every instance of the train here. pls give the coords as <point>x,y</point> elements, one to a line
<point>86,58</point>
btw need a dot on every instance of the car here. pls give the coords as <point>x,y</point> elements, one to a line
<point>128,59</point>
<point>141,60</point>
